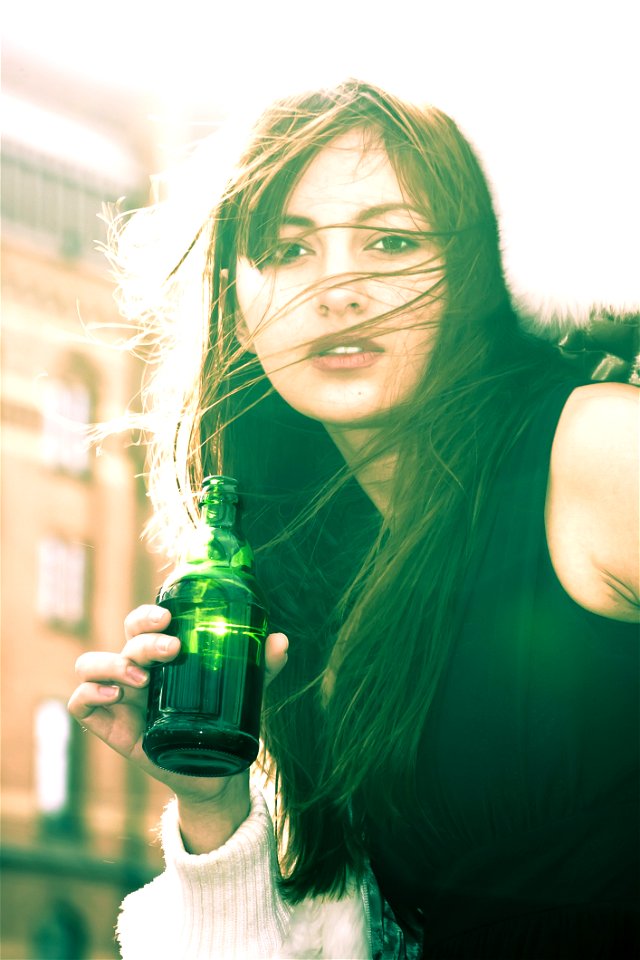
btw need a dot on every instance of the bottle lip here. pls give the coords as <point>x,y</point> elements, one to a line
<point>215,486</point>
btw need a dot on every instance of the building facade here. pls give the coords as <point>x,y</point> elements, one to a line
<point>77,821</point>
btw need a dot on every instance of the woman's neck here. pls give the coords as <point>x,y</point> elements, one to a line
<point>374,476</point>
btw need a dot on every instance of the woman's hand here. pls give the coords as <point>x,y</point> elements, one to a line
<point>111,702</point>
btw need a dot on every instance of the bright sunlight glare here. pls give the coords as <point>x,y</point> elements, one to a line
<point>545,90</point>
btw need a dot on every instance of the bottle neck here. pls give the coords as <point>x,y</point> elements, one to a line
<point>219,513</point>
<point>215,541</point>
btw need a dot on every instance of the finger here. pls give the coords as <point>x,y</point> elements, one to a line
<point>110,668</point>
<point>106,711</point>
<point>145,619</point>
<point>148,648</point>
<point>86,698</point>
<point>275,655</point>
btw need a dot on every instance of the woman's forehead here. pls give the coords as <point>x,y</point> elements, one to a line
<point>351,172</point>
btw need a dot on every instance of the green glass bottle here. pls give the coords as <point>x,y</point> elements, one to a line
<point>203,714</point>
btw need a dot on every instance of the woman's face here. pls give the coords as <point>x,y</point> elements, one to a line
<point>303,310</point>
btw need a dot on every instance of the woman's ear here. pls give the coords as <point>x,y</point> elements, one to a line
<point>242,332</point>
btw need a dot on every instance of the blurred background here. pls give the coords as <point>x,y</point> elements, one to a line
<point>96,100</point>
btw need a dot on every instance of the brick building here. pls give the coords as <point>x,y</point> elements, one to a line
<point>76,819</point>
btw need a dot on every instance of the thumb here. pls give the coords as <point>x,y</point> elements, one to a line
<point>275,655</point>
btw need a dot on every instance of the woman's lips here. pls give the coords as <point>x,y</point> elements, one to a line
<point>345,361</point>
<point>332,353</point>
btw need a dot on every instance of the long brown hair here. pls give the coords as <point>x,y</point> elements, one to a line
<point>371,619</point>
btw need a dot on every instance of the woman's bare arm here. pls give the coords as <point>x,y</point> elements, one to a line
<point>593,499</point>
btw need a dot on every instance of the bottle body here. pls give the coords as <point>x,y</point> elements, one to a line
<point>203,714</point>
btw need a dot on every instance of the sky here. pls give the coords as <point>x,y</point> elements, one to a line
<point>545,90</point>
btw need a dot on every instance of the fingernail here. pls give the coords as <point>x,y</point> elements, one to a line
<point>108,691</point>
<point>157,615</point>
<point>168,644</point>
<point>137,675</point>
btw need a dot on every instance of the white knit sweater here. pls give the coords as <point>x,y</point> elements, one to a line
<point>226,904</point>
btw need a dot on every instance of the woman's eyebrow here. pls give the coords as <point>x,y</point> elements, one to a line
<point>362,216</point>
<point>370,213</point>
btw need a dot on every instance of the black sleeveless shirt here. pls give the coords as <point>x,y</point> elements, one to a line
<point>526,845</point>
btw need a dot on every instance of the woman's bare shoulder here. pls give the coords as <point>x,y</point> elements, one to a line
<point>601,401</point>
<point>596,442</point>
<point>592,502</point>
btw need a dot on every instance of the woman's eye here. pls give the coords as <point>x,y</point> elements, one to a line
<point>284,253</point>
<point>395,243</point>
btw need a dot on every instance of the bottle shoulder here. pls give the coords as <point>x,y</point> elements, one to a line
<point>222,546</point>
<point>198,582</point>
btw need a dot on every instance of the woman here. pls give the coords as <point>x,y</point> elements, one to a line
<point>445,520</point>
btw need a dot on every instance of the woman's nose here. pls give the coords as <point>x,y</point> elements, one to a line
<point>341,297</point>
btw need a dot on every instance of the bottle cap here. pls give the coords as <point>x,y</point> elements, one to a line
<point>216,487</point>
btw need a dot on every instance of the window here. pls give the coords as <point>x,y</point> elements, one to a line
<point>52,734</point>
<point>56,769</point>
<point>66,413</point>
<point>55,203</point>
<point>62,582</point>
